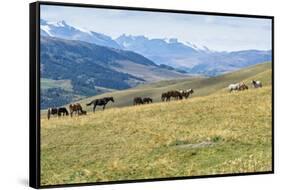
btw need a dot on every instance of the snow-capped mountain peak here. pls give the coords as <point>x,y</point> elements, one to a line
<point>61,29</point>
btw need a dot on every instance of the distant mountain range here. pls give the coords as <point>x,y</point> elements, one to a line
<point>182,56</point>
<point>93,69</point>
<point>189,57</point>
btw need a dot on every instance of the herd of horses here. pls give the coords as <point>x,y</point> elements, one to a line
<point>242,86</point>
<point>77,109</point>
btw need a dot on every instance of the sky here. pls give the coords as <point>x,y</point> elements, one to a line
<point>218,33</point>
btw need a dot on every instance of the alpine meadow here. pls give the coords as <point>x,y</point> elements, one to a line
<point>188,97</point>
<point>216,133</point>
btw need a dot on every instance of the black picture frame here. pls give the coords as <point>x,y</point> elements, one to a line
<point>34,92</point>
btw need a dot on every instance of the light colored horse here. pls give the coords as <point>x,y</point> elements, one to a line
<point>257,84</point>
<point>234,87</point>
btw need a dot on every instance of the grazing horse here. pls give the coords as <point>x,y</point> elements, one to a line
<point>138,101</point>
<point>100,102</point>
<point>173,93</point>
<point>257,84</point>
<point>52,111</point>
<point>147,100</point>
<point>76,108</point>
<point>234,87</point>
<point>243,86</point>
<point>62,111</point>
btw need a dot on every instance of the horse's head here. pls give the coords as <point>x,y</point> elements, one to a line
<point>191,91</point>
<point>111,99</point>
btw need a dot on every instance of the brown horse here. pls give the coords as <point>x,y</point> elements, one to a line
<point>242,86</point>
<point>75,108</point>
<point>147,100</point>
<point>100,102</point>
<point>171,94</point>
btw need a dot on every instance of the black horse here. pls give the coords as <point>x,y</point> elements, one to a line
<point>62,111</point>
<point>100,102</point>
<point>147,100</point>
<point>166,96</point>
<point>138,101</point>
<point>57,111</point>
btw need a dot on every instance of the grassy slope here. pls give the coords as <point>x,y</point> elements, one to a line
<point>219,133</point>
<point>202,86</point>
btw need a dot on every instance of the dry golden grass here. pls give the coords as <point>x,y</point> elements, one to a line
<point>215,134</point>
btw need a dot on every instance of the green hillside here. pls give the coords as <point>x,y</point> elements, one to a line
<point>202,86</point>
<point>215,134</point>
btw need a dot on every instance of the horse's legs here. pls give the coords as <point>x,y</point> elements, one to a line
<point>94,108</point>
<point>104,106</point>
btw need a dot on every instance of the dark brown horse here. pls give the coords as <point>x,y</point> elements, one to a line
<point>164,96</point>
<point>100,102</point>
<point>171,94</point>
<point>138,101</point>
<point>147,100</point>
<point>75,108</point>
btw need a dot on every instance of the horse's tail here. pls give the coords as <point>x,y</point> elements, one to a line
<point>90,103</point>
<point>49,114</point>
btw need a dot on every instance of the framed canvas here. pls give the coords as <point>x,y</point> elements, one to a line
<point>126,94</point>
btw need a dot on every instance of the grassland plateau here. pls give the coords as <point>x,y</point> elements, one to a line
<point>213,132</point>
